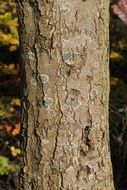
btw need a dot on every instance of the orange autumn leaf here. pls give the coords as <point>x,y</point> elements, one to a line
<point>114,81</point>
<point>16,130</point>
<point>7,127</point>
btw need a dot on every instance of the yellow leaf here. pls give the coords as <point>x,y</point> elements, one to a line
<point>11,66</point>
<point>15,151</point>
<point>16,101</point>
<point>13,23</point>
<point>115,55</point>
<point>11,110</point>
<point>8,15</point>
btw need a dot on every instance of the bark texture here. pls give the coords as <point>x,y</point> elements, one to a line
<point>65,143</point>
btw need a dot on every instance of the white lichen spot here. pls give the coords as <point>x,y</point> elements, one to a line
<point>96,64</point>
<point>25,169</point>
<point>44,78</point>
<point>61,166</point>
<point>77,42</point>
<point>31,55</point>
<point>33,81</point>
<point>74,150</point>
<point>98,14</point>
<point>64,42</point>
<point>48,100</point>
<point>93,94</point>
<point>38,177</point>
<point>44,141</point>
<point>45,106</point>
<point>91,177</point>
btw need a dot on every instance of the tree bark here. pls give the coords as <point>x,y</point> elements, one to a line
<point>65,74</point>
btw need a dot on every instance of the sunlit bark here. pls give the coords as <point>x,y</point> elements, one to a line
<point>66,87</point>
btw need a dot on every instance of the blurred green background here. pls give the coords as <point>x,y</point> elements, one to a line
<point>10,102</point>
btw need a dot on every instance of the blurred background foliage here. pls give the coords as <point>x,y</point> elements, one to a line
<point>118,92</point>
<point>10,97</point>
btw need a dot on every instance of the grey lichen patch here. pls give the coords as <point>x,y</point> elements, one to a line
<point>55,165</point>
<point>74,150</point>
<point>51,113</point>
<point>68,58</point>
<point>47,102</point>
<point>31,55</point>
<point>44,78</point>
<point>93,94</point>
<point>93,165</point>
<point>73,99</point>
<point>96,64</point>
<point>73,102</point>
<point>33,81</point>
<point>44,141</point>
<point>29,134</point>
<point>45,106</point>
<point>65,7</point>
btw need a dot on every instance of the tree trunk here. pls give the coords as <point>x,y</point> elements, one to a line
<point>65,142</point>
